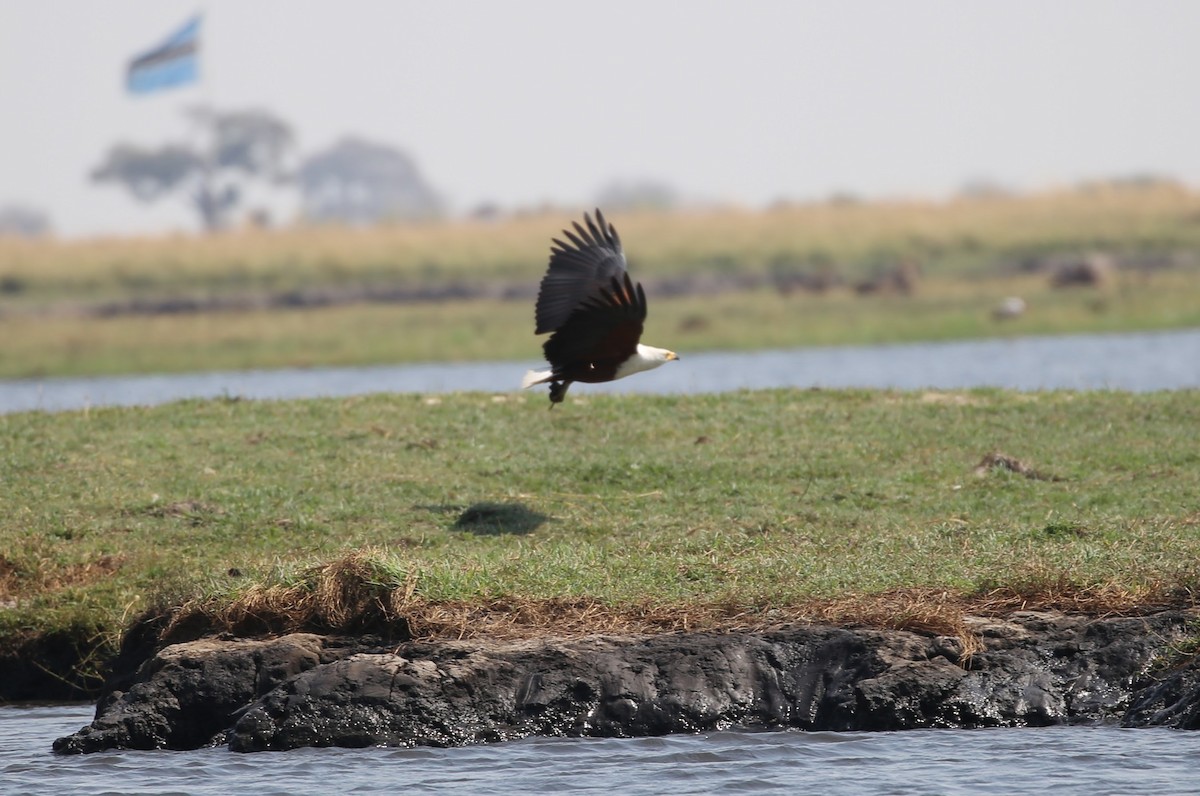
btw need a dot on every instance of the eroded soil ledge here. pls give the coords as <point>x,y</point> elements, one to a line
<point>1034,668</point>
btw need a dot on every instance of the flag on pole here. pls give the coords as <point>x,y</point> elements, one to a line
<point>175,62</point>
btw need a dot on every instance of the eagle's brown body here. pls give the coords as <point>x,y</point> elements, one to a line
<point>595,311</point>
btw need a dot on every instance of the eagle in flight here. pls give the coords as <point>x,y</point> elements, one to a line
<point>595,311</point>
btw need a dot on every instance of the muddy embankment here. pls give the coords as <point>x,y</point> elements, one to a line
<point>1027,669</point>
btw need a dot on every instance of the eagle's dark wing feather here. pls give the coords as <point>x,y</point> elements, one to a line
<point>603,329</point>
<point>579,270</point>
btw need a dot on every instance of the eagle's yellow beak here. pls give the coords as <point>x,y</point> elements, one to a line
<point>671,355</point>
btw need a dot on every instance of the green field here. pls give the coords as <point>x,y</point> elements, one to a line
<point>971,255</point>
<point>478,513</point>
<point>371,334</point>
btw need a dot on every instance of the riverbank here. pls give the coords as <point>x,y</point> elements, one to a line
<point>945,308</point>
<point>446,517</point>
<point>1107,259</point>
<point>1027,669</point>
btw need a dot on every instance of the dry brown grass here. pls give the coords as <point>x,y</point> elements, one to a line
<point>348,596</point>
<point>1161,215</point>
<point>21,578</point>
<point>995,460</point>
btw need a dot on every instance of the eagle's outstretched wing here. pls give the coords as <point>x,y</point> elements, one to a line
<point>604,329</point>
<point>579,271</point>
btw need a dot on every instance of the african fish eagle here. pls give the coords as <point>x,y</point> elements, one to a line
<point>595,311</point>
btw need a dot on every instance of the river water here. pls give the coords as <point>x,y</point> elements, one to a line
<point>1138,362</point>
<point>1065,761</point>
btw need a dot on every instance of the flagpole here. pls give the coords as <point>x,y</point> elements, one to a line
<point>171,63</point>
<point>203,136</point>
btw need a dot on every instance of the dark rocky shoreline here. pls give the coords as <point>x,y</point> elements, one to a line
<point>1033,669</point>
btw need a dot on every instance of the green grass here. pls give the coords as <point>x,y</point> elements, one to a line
<point>760,503</point>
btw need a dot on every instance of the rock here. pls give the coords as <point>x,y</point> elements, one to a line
<point>1168,699</point>
<point>467,693</point>
<point>1093,270</point>
<point>900,279</point>
<point>186,696</point>
<point>302,690</point>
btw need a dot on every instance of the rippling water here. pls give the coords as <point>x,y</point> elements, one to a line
<point>1138,362</point>
<point>1065,761</point>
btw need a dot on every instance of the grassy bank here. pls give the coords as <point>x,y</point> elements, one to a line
<point>943,308</point>
<point>480,513</point>
<point>972,254</point>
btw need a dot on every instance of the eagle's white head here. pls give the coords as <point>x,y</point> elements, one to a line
<point>646,358</point>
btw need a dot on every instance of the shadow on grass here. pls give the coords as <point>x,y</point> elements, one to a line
<point>493,519</point>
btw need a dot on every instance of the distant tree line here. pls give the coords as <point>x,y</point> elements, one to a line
<point>22,221</point>
<point>352,181</point>
<point>358,181</point>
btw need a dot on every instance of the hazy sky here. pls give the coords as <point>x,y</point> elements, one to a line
<point>523,101</point>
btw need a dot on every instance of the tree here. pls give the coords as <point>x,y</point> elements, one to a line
<point>631,195</point>
<point>23,221</point>
<point>239,146</point>
<point>361,182</point>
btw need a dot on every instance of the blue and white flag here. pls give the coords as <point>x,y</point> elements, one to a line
<point>175,62</point>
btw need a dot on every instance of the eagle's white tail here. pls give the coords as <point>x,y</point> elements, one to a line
<point>536,377</point>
